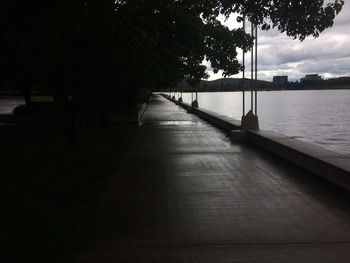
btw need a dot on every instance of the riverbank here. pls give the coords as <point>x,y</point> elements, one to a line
<point>329,165</point>
<point>48,191</point>
<point>320,117</point>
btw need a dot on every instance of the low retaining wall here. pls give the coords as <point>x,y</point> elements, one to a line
<point>332,166</point>
<point>327,164</point>
<point>223,122</point>
<point>141,110</point>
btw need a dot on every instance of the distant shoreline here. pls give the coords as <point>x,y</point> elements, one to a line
<point>207,89</point>
<point>237,84</point>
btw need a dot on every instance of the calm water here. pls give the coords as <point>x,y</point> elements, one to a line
<point>321,117</point>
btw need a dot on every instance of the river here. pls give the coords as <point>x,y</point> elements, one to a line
<point>321,117</point>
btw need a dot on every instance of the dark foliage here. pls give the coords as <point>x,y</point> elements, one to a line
<point>91,49</point>
<point>104,55</point>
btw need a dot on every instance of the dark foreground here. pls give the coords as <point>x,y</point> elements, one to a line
<point>185,193</point>
<point>48,191</point>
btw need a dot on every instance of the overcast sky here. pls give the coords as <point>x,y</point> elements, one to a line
<point>327,55</point>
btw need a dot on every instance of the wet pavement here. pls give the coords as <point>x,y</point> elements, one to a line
<point>186,193</point>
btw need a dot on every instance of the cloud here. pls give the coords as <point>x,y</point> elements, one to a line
<point>328,55</point>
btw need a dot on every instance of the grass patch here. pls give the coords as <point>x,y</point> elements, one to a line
<point>49,192</point>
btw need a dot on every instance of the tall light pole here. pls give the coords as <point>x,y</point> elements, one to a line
<point>243,84</point>
<point>256,70</point>
<point>250,120</point>
<point>252,71</point>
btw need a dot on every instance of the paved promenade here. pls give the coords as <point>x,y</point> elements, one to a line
<point>185,193</point>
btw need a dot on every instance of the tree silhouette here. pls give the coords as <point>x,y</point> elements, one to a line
<point>105,50</point>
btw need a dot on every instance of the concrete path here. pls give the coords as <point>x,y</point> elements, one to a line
<point>185,193</point>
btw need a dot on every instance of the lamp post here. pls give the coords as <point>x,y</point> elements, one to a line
<point>243,84</point>
<point>194,103</point>
<point>250,120</point>
<point>256,70</point>
<point>252,71</point>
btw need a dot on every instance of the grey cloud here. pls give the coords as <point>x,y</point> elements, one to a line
<point>328,55</point>
<point>315,50</point>
<point>338,66</point>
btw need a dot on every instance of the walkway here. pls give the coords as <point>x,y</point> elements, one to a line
<point>185,193</point>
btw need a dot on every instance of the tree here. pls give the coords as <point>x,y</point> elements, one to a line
<point>107,50</point>
<point>149,43</point>
<point>170,39</point>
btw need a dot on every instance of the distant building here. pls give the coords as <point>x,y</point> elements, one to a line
<point>311,77</point>
<point>280,80</point>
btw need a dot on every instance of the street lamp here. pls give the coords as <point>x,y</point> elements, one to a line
<point>250,120</point>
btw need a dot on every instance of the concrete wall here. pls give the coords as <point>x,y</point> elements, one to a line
<point>223,122</point>
<point>141,110</point>
<point>329,165</point>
